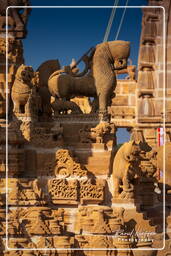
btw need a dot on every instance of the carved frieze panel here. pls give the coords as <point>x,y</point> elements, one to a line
<point>63,191</point>
<point>92,191</point>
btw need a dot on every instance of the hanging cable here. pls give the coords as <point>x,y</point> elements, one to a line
<point>110,21</point>
<point>121,22</point>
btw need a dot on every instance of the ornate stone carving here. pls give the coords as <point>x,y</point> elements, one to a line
<point>63,191</point>
<point>92,191</point>
<point>16,19</point>
<point>15,51</point>
<point>99,220</point>
<point>96,134</point>
<point>25,192</point>
<point>68,165</point>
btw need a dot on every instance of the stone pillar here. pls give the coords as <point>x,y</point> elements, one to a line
<point>151,61</point>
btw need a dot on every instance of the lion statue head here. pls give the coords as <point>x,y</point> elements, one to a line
<point>25,74</point>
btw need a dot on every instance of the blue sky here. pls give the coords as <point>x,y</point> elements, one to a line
<point>64,34</point>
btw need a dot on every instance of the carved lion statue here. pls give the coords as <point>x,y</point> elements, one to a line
<point>22,88</point>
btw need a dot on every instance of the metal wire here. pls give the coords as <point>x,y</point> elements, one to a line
<point>121,22</point>
<point>109,26</point>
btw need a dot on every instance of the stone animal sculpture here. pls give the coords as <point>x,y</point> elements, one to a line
<point>100,81</point>
<point>63,107</point>
<point>125,168</point>
<point>22,88</point>
<point>45,70</point>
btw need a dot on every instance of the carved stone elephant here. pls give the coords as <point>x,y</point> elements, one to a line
<point>100,81</point>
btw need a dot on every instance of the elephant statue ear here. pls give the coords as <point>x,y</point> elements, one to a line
<point>119,49</point>
<point>46,69</point>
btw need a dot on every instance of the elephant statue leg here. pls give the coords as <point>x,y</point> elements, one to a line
<point>103,102</point>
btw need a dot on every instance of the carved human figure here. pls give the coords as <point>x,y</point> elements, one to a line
<point>100,81</point>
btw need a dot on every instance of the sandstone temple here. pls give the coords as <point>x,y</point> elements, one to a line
<point>66,187</point>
